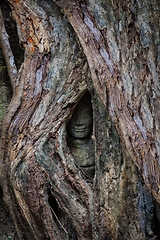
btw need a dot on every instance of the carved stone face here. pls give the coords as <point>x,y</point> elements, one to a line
<point>80,124</point>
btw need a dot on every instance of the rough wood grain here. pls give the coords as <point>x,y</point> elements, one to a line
<point>70,49</point>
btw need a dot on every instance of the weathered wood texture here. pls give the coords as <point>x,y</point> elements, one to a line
<point>5,86</point>
<point>116,58</point>
<point>121,43</point>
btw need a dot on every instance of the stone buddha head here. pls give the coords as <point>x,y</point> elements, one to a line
<point>80,124</point>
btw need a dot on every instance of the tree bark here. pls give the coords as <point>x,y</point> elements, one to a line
<point>111,50</point>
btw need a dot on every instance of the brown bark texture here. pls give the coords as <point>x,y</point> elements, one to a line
<point>110,49</point>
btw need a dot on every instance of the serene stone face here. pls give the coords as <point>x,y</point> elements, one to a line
<point>80,125</point>
<point>79,136</point>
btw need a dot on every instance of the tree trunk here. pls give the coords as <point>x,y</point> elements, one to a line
<point>107,51</point>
